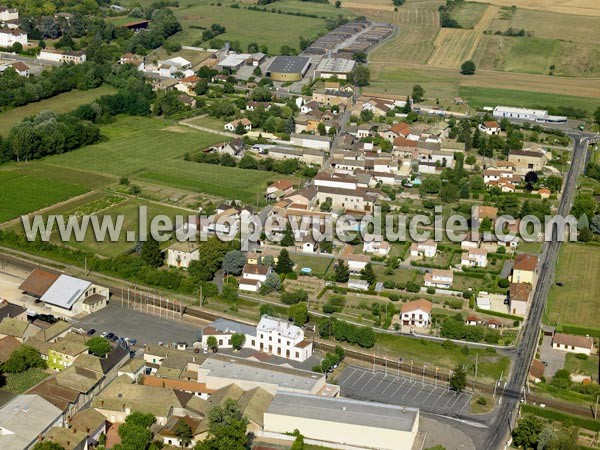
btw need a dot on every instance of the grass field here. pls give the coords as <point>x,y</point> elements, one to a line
<point>576,303</point>
<point>152,150</point>
<point>587,366</point>
<point>17,383</point>
<point>467,14</point>
<point>22,194</point>
<point>577,7</point>
<point>60,104</point>
<point>243,25</point>
<point>479,96</point>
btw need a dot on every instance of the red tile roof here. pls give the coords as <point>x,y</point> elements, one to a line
<point>422,304</point>
<point>38,282</point>
<point>525,261</point>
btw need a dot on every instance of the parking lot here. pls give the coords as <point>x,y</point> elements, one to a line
<point>362,384</point>
<point>146,328</point>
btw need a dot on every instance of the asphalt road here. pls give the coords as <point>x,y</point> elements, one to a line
<point>501,424</point>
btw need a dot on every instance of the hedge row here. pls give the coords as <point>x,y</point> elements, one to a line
<point>499,314</point>
<point>582,331</point>
<point>551,414</point>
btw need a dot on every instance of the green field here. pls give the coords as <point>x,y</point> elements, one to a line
<point>243,25</point>
<point>587,366</point>
<point>479,97</point>
<point>576,303</point>
<point>22,194</point>
<point>60,104</point>
<point>152,150</point>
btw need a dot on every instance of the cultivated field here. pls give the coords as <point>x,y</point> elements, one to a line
<point>152,150</point>
<point>576,303</point>
<point>60,104</point>
<point>578,7</point>
<point>22,194</point>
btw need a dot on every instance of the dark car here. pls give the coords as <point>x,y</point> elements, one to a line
<point>114,338</point>
<point>49,318</point>
<point>109,336</point>
<point>91,332</point>
<point>560,283</point>
<point>132,341</point>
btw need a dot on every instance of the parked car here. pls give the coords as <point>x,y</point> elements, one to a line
<point>109,336</point>
<point>132,341</point>
<point>114,338</point>
<point>104,334</point>
<point>91,331</point>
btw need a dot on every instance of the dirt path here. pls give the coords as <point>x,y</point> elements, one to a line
<point>484,23</point>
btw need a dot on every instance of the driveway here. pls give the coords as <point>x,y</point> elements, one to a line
<point>554,358</point>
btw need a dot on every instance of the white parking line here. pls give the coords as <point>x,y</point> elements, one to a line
<point>407,392</point>
<point>390,384</point>
<point>375,388</point>
<point>346,375</point>
<point>359,378</point>
<point>394,393</point>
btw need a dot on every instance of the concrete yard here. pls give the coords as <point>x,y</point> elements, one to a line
<point>363,384</point>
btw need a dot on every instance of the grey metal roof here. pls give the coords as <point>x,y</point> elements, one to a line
<point>222,366</point>
<point>65,291</point>
<point>234,327</point>
<point>338,65</point>
<point>289,64</point>
<point>344,410</point>
<point>24,418</point>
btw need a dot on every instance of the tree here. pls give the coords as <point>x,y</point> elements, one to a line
<point>584,204</point>
<point>150,252</point>
<point>272,283</point>
<point>266,309</point>
<point>368,274</point>
<point>134,432</point>
<point>527,431</point>
<point>458,380</point>
<point>450,193</point>
<point>597,115</point>
<point>298,443</point>
<point>360,75</point>
<point>240,129</point>
<point>212,343</point>
<point>360,57</point>
<point>298,313</point>
<point>226,428</point>
<point>553,182</point>
<point>288,237</point>
<point>417,93</point>
<point>201,86</point>
<point>98,346</point>
<point>531,177</point>
<point>237,341</point>
<point>48,445</point>
<point>184,432</point>
<point>342,273</point>
<point>234,262</point>
<point>468,68</point>
<point>23,358</point>
<point>284,264</point>
<point>431,185</point>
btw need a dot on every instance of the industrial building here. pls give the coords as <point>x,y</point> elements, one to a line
<point>335,67</point>
<point>288,68</point>
<point>346,422</point>
<point>532,115</point>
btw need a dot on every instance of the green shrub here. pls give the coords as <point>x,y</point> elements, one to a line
<point>581,356</point>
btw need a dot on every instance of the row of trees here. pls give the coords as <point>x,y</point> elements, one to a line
<point>455,328</point>
<point>346,332</point>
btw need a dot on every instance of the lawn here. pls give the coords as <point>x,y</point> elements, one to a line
<point>319,265</point>
<point>479,97</point>
<point>22,194</point>
<point>17,383</point>
<point>587,366</point>
<point>576,303</point>
<point>62,103</point>
<point>421,351</point>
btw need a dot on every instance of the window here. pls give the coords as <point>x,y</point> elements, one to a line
<point>297,355</point>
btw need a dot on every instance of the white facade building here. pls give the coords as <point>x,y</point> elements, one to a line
<point>10,37</point>
<point>442,279</point>
<point>181,254</point>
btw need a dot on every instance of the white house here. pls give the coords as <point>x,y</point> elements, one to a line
<point>232,126</point>
<point>181,254</point>
<point>490,127</point>
<point>7,14</point>
<point>573,344</point>
<point>474,257</point>
<point>253,275</point>
<point>442,279</point>
<point>519,295</point>
<point>282,338</point>
<point>377,247</point>
<point>416,313</point>
<point>532,115</point>
<point>358,285</point>
<point>311,141</point>
<point>356,263</point>
<point>10,37</point>
<point>62,56</point>
<point>427,249</point>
